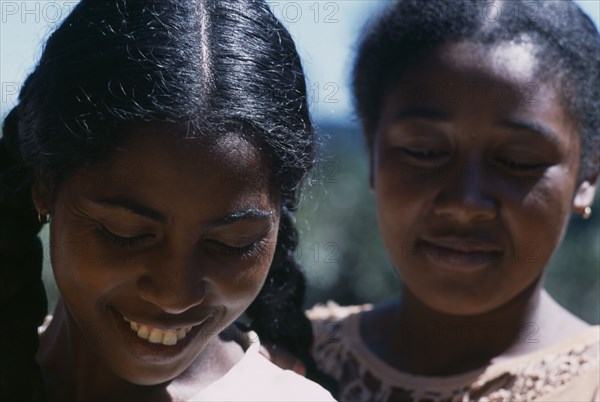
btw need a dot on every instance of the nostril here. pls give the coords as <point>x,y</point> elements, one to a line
<point>170,295</point>
<point>465,206</point>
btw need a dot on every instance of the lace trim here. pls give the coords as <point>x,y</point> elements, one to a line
<point>524,380</point>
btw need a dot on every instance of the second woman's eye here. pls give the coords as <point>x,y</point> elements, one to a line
<point>424,153</point>
<point>521,165</point>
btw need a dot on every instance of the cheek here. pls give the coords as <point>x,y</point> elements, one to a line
<point>403,193</point>
<point>84,266</point>
<point>538,218</point>
<point>242,281</point>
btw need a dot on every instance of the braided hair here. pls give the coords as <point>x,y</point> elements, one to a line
<point>209,67</point>
<point>22,295</point>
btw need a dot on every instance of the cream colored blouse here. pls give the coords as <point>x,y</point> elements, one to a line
<point>567,371</point>
<point>254,378</point>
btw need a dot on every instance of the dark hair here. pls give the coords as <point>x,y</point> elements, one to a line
<point>210,67</point>
<point>567,40</point>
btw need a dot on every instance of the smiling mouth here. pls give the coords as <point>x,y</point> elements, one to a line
<point>168,337</point>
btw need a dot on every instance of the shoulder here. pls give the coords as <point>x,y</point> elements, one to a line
<point>566,371</point>
<point>254,378</point>
<point>337,343</point>
<point>329,322</point>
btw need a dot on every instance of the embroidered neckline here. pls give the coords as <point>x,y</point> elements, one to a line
<point>350,336</point>
<point>362,375</point>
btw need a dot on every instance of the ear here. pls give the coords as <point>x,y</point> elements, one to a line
<point>41,196</point>
<point>584,196</point>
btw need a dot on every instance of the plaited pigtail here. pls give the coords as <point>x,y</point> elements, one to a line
<point>22,296</point>
<point>278,312</point>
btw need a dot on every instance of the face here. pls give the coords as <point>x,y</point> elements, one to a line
<point>474,167</point>
<point>162,247</point>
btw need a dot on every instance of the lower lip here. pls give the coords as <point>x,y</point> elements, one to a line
<point>458,261</point>
<point>151,352</point>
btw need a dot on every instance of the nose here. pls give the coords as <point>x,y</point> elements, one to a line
<point>175,284</point>
<point>465,195</point>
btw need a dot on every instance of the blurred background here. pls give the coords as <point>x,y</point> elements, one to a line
<point>341,250</point>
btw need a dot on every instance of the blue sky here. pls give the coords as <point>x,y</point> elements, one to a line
<point>325,32</point>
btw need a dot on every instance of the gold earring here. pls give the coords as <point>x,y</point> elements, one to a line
<point>43,218</point>
<point>587,212</point>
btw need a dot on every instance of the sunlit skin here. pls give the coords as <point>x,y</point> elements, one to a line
<point>201,220</point>
<point>474,168</point>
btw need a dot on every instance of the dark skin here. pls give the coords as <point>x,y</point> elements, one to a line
<point>474,189</point>
<point>169,233</point>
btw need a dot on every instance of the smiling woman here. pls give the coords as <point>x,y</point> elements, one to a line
<point>166,141</point>
<point>168,269</point>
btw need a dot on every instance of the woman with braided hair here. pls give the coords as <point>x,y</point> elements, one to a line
<point>165,143</point>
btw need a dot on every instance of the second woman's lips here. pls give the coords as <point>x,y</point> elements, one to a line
<point>464,244</point>
<point>462,254</point>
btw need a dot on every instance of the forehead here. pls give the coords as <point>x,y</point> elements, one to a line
<point>476,87</point>
<point>182,177</point>
<point>160,148</point>
<point>481,79</point>
<point>503,61</point>
<point>501,74</point>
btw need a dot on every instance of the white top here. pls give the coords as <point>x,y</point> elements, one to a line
<point>254,378</point>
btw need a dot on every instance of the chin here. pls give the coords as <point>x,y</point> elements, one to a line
<point>147,376</point>
<point>462,308</point>
<point>459,302</point>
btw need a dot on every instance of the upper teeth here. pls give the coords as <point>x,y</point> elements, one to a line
<point>156,335</point>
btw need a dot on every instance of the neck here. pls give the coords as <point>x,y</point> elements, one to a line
<point>75,373</point>
<point>423,341</point>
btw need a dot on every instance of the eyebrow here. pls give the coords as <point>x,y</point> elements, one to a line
<point>516,124</point>
<point>131,206</point>
<point>144,211</point>
<point>246,214</point>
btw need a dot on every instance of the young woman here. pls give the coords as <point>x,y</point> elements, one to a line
<point>165,141</point>
<point>482,126</point>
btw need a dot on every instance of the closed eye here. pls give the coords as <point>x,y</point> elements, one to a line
<point>424,154</point>
<point>518,165</point>
<point>243,251</point>
<point>127,242</point>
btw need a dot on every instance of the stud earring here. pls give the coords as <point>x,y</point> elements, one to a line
<point>587,212</point>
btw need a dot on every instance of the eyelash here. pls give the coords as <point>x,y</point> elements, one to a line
<point>437,154</point>
<point>127,242</point>
<point>246,251</point>
<point>428,154</point>
<point>520,166</point>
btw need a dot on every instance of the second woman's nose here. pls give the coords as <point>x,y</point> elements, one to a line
<point>465,195</point>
